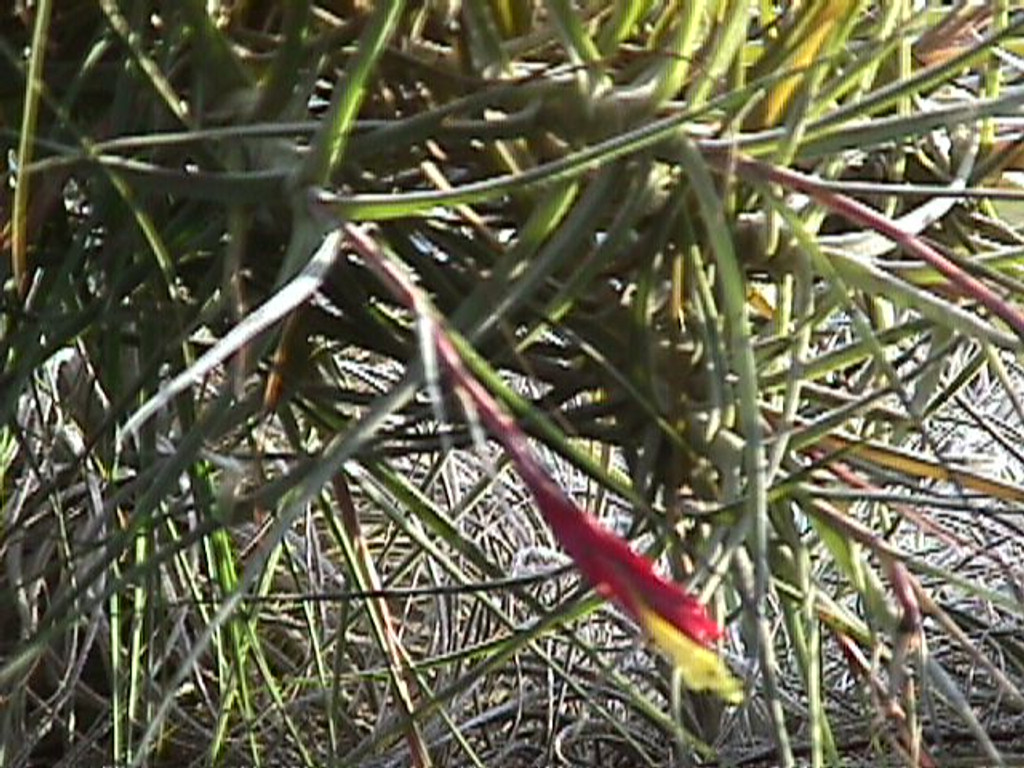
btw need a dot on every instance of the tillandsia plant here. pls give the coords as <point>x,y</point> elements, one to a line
<point>728,292</point>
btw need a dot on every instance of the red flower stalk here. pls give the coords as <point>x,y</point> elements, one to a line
<point>674,619</point>
<point>617,572</point>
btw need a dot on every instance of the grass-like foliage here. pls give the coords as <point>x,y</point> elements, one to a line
<point>511,382</point>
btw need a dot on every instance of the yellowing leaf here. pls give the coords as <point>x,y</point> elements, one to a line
<point>802,45</point>
<point>701,668</point>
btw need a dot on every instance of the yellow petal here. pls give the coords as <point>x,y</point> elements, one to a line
<point>701,668</point>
